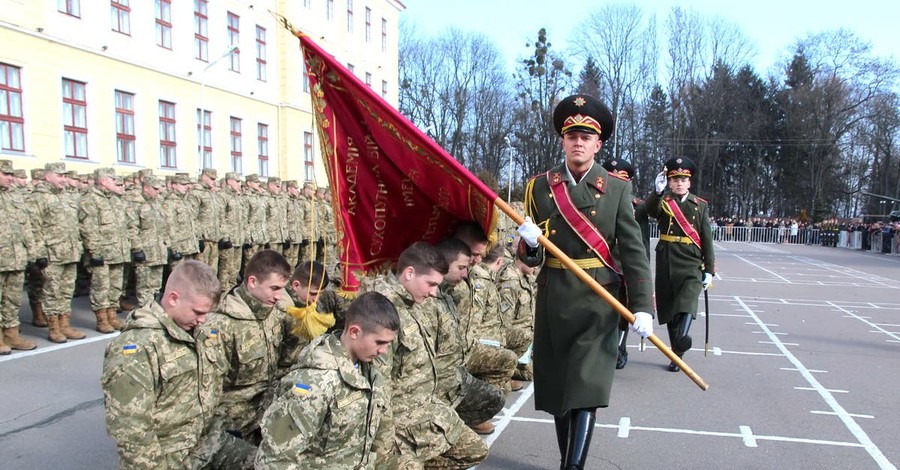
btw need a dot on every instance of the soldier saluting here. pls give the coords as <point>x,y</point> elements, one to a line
<point>685,261</point>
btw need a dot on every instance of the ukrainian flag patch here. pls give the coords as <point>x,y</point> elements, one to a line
<point>129,349</point>
<point>300,389</point>
<point>213,333</point>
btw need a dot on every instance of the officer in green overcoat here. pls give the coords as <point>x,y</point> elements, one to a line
<point>575,333</point>
<point>685,260</point>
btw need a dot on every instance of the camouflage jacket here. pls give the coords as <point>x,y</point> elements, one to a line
<point>181,221</point>
<point>55,218</point>
<point>327,413</point>
<point>449,346</point>
<point>148,232</point>
<point>17,243</point>
<point>276,217</point>
<point>103,226</point>
<point>252,345</point>
<point>255,223</point>
<point>209,207</point>
<point>327,230</point>
<point>484,315</point>
<point>233,217</point>
<point>295,224</point>
<point>516,297</point>
<point>424,425</point>
<point>291,344</point>
<point>161,385</point>
<point>311,220</point>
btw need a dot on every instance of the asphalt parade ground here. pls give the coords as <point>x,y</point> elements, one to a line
<point>803,368</point>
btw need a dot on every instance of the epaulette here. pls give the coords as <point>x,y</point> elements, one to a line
<point>702,200</point>
<point>539,175</point>
<point>618,176</point>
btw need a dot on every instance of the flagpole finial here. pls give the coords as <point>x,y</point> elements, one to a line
<point>286,24</point>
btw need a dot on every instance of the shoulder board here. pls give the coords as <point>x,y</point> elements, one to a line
<point>539,175</point>
<point>701,199</point>
<point>617,176</point>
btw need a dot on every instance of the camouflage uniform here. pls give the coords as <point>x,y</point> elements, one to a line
<point>426,428</point>
<point>148,234</point>
<point>209,207</point>
<point>55,218</point>
<point>294,225</point>
<point>183,233</point>
<point>161,386</point>
<point>517,313</point>
<point>327,414</point>
<point>17,247</point>
<point>310,230</point>
<point>481,324</point>
<point>276,216</point>
<point>233,229</point>
<point>257,229</point>
<point>292,343</point>
<point>252,335</point>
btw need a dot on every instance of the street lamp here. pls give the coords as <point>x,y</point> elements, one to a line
<point>509,172</point>
<point>202,77</point>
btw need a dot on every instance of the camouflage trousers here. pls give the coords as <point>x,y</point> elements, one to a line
<point>219,450</point>
<point>106,286</point>
<point>34,283</point>
<point>468,451</point>
<point>307,252</point>
<point>518,340</point>
<point>148,281</point>
<point>249,252</point>
<point>59,285</point>
<point>10,297</point>
<point>210,254</point>
<point>229,266</point>
<point>493,365</point>
<point>481,401</point>
<point>292,254</point>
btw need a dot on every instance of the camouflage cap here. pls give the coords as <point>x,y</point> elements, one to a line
<point>231,175</point>
<point>37,173</point>
<point>101,172</point>
<point>118,179</point>
<point>309,185</point>
<point>20,173</point>
<point>274,180</point>
<point>55,167</point>
<point>153,181</point>
<point>180,178</point>
<point>210,172</point>
<point>6,166</point>
<point>143,173</point>
<point>291,184</point>
<point>253,178</point>
<point>72,174</point>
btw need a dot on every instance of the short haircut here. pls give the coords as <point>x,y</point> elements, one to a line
<point>424,258</point>
<point>191,278</point>
<point>451,248</point>
<point>498,251</point>
<point>471,233</point>
<point>311,273</point>
<point>371,311</point>
<point>265,263</point>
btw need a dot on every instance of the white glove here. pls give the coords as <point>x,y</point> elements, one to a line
<point>529,232</point>
<point>643,324</point>
<point>661,182</point>
<point>707,280</point>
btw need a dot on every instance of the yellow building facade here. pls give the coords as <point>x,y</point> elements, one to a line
<point>179,85</point>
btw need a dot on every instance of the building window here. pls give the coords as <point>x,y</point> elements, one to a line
<point>262,131</point>
<point>167,135</point>
<point>119,16</point>
<point>12,123</point>
<point>369,79</point>
<point>384,89</point>
<point>368,25</point>
<point>234,32</point>
<point>261,53</point>
<point>201,30</point>
<point>124,127</point>
<point>383,35</point>
<point>236,165</point>
<point>75,118</point>
<point>164,23</point>
<point>351,67</point>
<point>308,168</point>
<point>307,4</point>
<point>349,16</point>
<point>329,9</point>
<point>204,137</point>
<point>69,7</point>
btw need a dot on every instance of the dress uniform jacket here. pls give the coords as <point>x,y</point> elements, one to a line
<point>575,334</point>
<point>680,266</point>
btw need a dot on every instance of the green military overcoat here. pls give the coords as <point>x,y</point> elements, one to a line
<point>575,334</point>
<point>680,266</point>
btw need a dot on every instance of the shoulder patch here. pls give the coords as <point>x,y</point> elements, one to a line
<point>129,348</point>
<point>301,389</point>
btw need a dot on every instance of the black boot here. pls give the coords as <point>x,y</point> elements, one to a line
<point>562,435</point>
<point>683,341</point>
<point>672,326</point>
<point>581,427</point>
<point>622,357</point>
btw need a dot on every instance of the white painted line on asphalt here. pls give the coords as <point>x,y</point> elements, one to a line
<point>624,427</point>
<point>832,403</point>
<point>879,329</point>
<point>832,413</point>
<point>892,341</point>
<point>783,279</point>
<point>846,271</point>
<point>717,351</point>
<point>830,389</point>
<point>727,315</point>
<point>814,371</point>
<point>763,333</point>
<point>772,342</point>
<point>753,323</point>
<point>891,333</point>
<point>885,324</point>
<point>509,414</point>
<point>56,347</point>
<point>747,435</point>
<point>756,437</point>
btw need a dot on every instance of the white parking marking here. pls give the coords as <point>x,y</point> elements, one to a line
<point>508,414</point>
<point>783,279</point>
<point>835,414</point>
<point>747,435</point>
<point>57,347</point>
<point>624,427</point>
<point>830,389</point>
<point>865,320</point>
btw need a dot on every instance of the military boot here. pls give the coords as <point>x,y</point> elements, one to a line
<point>672,326</point>
<point>484,428</point>
<point>38,318</point>
<point>103,325</point>
<point>622,356</point>
<point>114,319</point>
<point>53,333</point>
<point>581,427</point>
<point>13,340</point>
<point>684,342</point>
<point>65,327</point>
<point>125,305</point>
<point>562,435</point>
<point>4,349</point>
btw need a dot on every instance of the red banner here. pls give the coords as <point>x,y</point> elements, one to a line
<point>391,184</point>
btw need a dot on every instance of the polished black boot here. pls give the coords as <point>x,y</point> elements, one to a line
<point>581,427</point>
<point>562,435</point>
<point>683,341</point>
<point>672,327</point>
<point>622,356</point>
